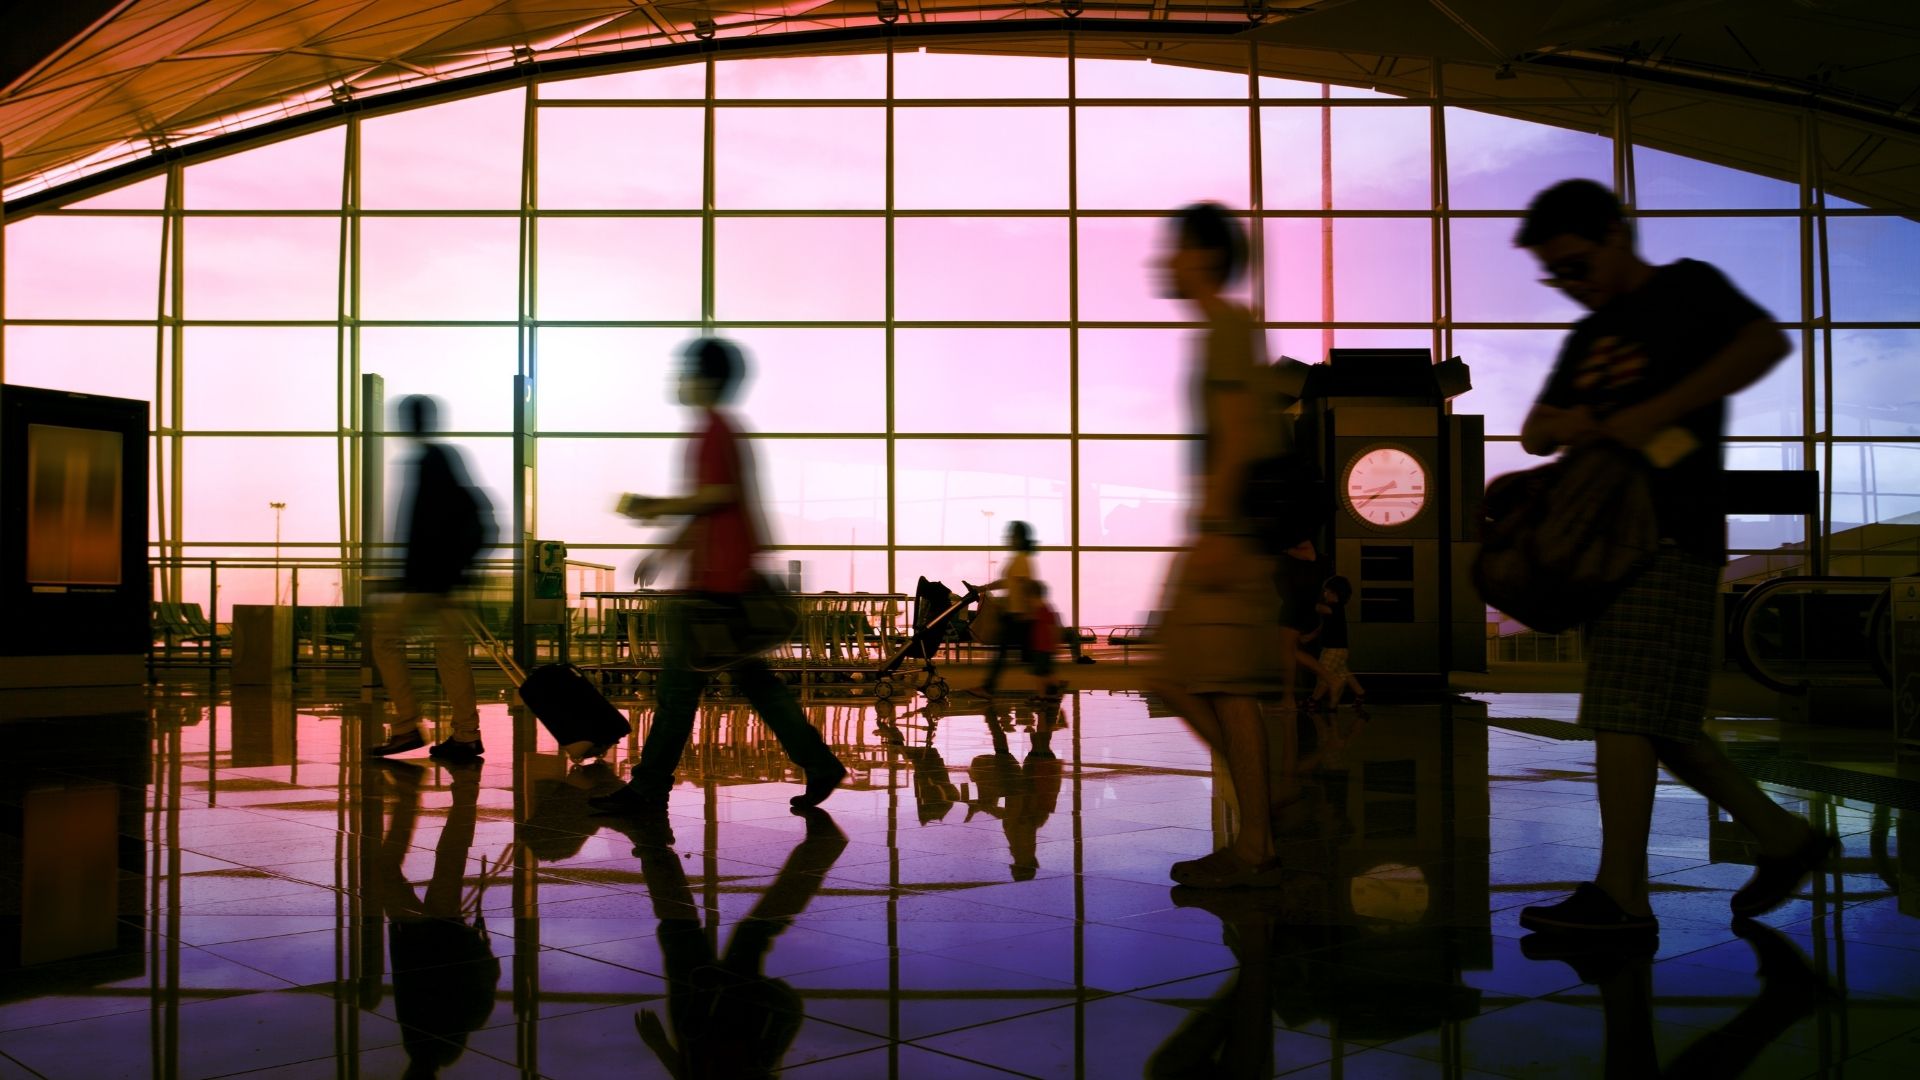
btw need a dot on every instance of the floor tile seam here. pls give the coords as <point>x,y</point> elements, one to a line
<point>784,1069</point>
<point>199,996</point>
<point>22,1066</point>
<point>335,1057</point>
<point>959,953</point>
<point>1090,996</point>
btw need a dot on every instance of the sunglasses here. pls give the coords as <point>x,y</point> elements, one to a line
<point>1568,271</point>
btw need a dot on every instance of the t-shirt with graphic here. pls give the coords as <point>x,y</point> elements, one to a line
<point>722,542</point>
<point>1638,347</point>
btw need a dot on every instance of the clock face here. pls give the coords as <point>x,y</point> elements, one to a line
<point>1385,486</point>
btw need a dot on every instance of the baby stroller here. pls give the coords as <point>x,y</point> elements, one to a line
<point>935,609</point>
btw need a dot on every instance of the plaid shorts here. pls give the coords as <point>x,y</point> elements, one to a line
<point>1333,671</point>
<point>1650,655</point>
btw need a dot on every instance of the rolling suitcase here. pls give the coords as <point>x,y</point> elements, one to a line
<point>563,699</point>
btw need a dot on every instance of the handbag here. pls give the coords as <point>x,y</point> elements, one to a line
<point>724,629</point>
<point>1559,542</point>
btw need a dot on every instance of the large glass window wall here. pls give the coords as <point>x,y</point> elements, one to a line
<point>944,269</point>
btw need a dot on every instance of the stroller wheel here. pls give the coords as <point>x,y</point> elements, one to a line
<point>937,690</point>
<point>883,687</point>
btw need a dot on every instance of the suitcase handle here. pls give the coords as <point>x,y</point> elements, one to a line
<point>496,650</point>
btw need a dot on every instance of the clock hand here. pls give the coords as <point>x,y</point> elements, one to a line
<point>1377,492</point>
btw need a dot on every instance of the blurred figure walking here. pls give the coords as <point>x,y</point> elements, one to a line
<point>1222,628</point>
<point>722,536</point>
<point>448,522</point>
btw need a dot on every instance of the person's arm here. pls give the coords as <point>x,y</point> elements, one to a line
<point>704,499</point>
<point>1230,452</point>
<point>1548,428</point>
<point>1755,348</point>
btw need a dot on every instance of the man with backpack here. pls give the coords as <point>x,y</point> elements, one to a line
<point>1651,368</point>
<point>448,522</point>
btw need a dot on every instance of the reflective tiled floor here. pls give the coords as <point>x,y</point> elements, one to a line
<point>203,885</point>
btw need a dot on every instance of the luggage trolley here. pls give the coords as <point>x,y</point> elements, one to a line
<point>935,609</point>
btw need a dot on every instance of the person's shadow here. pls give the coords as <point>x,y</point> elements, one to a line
<point>725,1019</point>
<point>445,974</point>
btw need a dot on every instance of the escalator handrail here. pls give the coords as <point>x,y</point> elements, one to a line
<point>1740,630</point>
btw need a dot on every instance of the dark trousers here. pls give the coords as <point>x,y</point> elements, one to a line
<point>680,689</point>
<point>1016,641</point>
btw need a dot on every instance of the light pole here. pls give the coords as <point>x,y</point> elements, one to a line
<point>988,514</point>
<point>279,508</point>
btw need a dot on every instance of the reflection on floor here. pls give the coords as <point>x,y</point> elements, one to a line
<point>203,887</point>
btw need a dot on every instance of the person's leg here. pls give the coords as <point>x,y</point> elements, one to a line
<point>1790,847</point>
<point>675,709</point>
<point>1702,766</point>
<point>1246,734</point>
<point>782,714</point>
<point>1624,768</point>
<point>676,706</point>
<point>1011,631</point>
<point>391,621</point>
<point>456,668</point>
<point>1196,709</point>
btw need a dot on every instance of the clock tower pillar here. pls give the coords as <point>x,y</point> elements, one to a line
<point>1407,477</point>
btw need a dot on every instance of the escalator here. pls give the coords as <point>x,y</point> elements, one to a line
<point>1795,633</point>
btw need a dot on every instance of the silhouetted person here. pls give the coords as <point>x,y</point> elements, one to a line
<point>1651,367</point>
<point>1332,647</point>
<point>1018,602</point>
<point>1221,632</point>
<point>721,538</point>
<point>725,1019</point>
<point>444,971</point>
<point>448,522</point>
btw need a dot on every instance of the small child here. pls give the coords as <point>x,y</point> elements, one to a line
<point>1046,640</point>
<point>1335,676</point>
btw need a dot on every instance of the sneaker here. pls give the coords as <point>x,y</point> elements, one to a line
<point>1588,909</point>
<point>629,800</point>
<point>457,750</point>
<point>820,784</point>
<point>1776,877</point>
<point>398,743</point>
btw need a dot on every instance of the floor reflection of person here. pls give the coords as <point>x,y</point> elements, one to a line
<point>1231,1036</point>
<point>1790,990</point>
<point>1651,367</point>
<point>445,974</point>
<point>722,536</point>
<point>1222,632</point>
<point>1022,794</point>
<point>934,792</point>
<point>725,1019</point>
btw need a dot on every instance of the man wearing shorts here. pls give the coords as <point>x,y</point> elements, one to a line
<point>1652,367</point>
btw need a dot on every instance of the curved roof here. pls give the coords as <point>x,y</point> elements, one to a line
<point>91,87</point>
